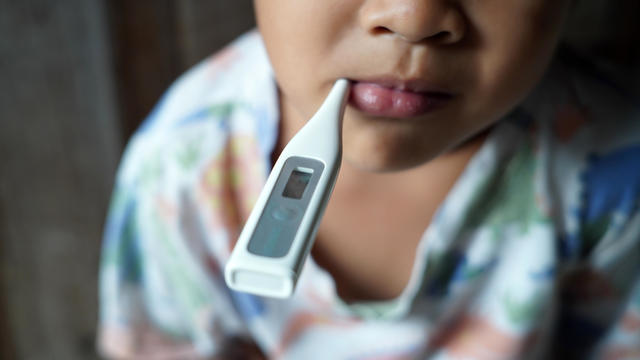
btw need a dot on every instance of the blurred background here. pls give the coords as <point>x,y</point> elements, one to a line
<point>76,79</point>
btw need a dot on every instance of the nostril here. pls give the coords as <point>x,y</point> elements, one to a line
<point>380,30</point>
<point>441,37</point>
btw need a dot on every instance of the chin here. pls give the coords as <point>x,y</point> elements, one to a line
<point>382,160</point>
<point>387,145</point>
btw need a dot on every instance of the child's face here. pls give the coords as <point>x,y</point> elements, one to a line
<point>427,74</point>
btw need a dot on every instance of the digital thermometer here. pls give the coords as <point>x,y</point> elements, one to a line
<point>281,228</point>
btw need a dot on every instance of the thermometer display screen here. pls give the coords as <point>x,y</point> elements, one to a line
<point>287,204</point>
<point>298,181</point>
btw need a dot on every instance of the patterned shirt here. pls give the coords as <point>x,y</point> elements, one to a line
<point>534,253</point>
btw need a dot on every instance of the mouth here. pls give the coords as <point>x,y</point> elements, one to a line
<point>397,99</point>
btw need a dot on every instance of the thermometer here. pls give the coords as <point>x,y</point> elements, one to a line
<point>281,228</point>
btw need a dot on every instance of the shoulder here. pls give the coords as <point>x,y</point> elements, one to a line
<point>596,124</point>
<point>205,147</point>
<point>185,182</point>
<point>230,94</point>
<point>228,75</point>
<point>588,142</point>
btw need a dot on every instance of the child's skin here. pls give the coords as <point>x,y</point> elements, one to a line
<point>474,59</point>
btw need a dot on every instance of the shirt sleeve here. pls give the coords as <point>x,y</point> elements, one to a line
<point>162,293</point>
<point>188,178</point>
<point>600,306</point>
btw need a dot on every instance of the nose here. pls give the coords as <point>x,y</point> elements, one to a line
<point>436,21</point>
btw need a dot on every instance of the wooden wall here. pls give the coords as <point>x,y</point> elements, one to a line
<point>58,148</point>
<point>156,40</point>
<point>76,78</point>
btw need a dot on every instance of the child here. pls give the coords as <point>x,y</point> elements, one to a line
<point>487,206</point>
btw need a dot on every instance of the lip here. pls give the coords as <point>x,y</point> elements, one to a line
<point>397,98</point>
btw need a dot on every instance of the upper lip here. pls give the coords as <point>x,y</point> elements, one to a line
<point>410,84</point>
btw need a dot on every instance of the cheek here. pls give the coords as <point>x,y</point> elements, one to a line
<point>509,63</point>
<point>302,32</point>
<point>300,36</point>
<point>280,26</point>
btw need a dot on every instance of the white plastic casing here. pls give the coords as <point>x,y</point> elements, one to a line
<point>320,139</point>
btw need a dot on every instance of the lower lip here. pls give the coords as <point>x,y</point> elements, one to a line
<point>377,100</point>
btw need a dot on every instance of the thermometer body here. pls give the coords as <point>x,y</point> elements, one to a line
<point>281,228</point>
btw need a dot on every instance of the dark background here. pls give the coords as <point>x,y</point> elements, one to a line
<point>76,78</point>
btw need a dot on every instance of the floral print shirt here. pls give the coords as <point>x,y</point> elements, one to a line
<point>534,254</point>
